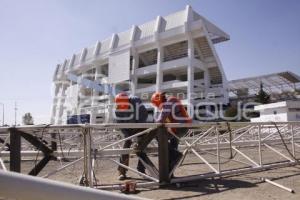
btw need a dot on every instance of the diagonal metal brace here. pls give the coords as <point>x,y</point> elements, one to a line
<point>36,142</point>
<point>38,168</point>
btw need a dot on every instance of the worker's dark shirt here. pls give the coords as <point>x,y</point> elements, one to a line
<point>136,114</point>
<point>171,112</point>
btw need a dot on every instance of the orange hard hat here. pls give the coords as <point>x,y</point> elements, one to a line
<point>158,98</point>
<point>122,101</point>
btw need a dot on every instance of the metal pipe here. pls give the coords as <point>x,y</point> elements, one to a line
<point>247,131</point>
<point>128,138</point>
<point>80,153</point>
<point>211,146</point>
<point>120,186</point>
<point>203,135</point>
<point>62,168</point>
<point>5,141</point>
<point>247,157</point>
<point>2,165</point>
<point>230,172</point>
<point>36,188</point>
<point>205,161</point>
<point>218,150</point>
<point>135,171</point>
<point>153,125</point>
<point>293,141</point>
<point>149,125</point>
<point>230,141</point>
<point>259,146</point>
<point>278,185</point>
<point>231,159</point>
<point>89,158</point>
<point>278,152</point>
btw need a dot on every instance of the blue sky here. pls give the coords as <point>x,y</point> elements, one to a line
<point>35,35</point>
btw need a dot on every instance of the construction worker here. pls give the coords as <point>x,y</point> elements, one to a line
<point>129,109</point>
<point>170,110</point>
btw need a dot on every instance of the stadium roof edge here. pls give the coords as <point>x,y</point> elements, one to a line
<point>267,75</point>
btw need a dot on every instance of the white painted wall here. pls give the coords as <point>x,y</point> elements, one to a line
<point>278,112</point>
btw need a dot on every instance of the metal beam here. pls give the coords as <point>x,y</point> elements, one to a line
<point>163,155</point>
<point>38,168</point>
<point>15,150</point>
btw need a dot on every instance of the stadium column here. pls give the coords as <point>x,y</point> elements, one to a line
<point>160,54</point>
<point>58,103</point>
<point>62,101</point>
<point>190,75</point>
<point>54,103</point>
<point>94,91</point>
<point>112,86</point>
<point>135,61</point>
<point>159,75</point>
<point>97,77</point>
<point>190,64</point>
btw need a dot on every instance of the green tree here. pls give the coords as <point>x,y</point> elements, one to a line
<point>262,97</point>
<point>231,112</point>
<point>27,119</point>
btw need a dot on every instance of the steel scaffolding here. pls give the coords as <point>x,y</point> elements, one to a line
<point>220,149</point>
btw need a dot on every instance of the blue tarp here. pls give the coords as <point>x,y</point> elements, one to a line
<point>78,119</point>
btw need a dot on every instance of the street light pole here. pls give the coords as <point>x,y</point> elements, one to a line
<point>2,113</point>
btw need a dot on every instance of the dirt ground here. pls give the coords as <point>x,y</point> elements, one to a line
<point>248,187</point>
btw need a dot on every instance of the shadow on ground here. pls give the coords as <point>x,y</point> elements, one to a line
<point>208,186</point>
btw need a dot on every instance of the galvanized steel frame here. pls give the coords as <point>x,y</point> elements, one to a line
<point>101,141</point>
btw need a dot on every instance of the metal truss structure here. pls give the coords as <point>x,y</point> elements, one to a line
<point>215,149</point>
<point>283,85</point>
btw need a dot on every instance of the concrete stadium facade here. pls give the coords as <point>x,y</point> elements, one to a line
<point>174,53</point>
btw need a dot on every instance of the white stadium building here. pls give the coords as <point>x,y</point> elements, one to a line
<point>173,53</point>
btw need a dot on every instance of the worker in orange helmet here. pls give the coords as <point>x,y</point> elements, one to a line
<point>129,109</point>
<point>170,110</point>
